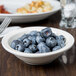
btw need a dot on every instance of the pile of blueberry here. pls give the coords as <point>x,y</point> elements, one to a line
<point>39,42</point>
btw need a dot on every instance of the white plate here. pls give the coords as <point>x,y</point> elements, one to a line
<point>12,5</point>
<point>36,59</point>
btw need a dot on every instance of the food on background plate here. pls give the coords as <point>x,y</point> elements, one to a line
<point>3,10</point>
<point>39,42</point>
<point>36,6</point>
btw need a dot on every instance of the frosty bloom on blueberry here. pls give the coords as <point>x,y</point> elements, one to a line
<point>40,39</point>
<point>26,42</point>
<point>20,47</point>
<point>39,42</point>
<point>56,48</point>
<point>27,50</point>
<point>43,48</point>
<point>51,42</point>
<point>33,33</point>
<point>32,38</point>
<point>33,48</point>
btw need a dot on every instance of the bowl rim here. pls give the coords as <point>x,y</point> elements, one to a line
<point>15,52</point>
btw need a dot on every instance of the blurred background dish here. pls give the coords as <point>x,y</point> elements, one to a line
<point>12,6</point>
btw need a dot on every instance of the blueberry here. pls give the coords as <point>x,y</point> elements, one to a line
<point>46,32</point>
<point>60,43</point>
<point>33,39</point>
<point>14,43</point>
<point>20,47</point>
<point>51,42</point>
<point>34,33</point>
<point>33,47</point>
<point>40,34</point>
<point>56,48</point>
<point>61,37</point>
<point>57,37</point>
<point>23,37</point>
<point>26,42</point>
<point>43,48</point>
<point>54,35</point>
<point>40,39</point>
<point>27,50</point>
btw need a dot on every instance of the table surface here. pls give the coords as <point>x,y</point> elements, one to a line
<point>12,66</point>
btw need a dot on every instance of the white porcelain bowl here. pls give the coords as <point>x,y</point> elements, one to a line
<point>12,5</point>
<point>36,59</point>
